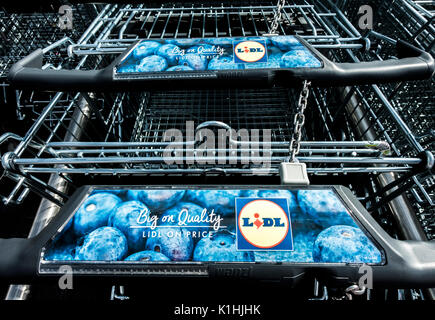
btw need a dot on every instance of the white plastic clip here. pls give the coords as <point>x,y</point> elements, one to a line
<point>294,173</point>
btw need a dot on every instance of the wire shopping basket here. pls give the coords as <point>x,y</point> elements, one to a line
<point>412,101</point>
<point>23,32</point>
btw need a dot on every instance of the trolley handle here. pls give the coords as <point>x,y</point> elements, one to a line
<point>28,73</point>
<point>412,263</point>
<point>413,64</point>
<point>408,264</point>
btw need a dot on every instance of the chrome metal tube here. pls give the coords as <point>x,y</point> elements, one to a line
<point>143,160</point>
<point>47,209</point>
<point>400,206</point>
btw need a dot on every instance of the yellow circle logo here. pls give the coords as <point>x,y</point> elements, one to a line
<point>250,51</point>
<point>263,224</point>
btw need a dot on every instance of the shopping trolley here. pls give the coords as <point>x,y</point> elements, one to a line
<point>23,32</point>
<point>400,19</point>
<point>80,138</point>
<point>411,20</point>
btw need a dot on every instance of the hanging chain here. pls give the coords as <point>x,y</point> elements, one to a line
<point>299,121</point>
<point>350,293</point>
<point>354,290</point>
<point>277,16</point>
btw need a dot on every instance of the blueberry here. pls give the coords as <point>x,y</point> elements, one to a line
<point>295,214</point>
<point>94,212</point>
<point>273,62</point>
<point>225,62</point>
<point>324,208</point>
<point>256,193</point>
<point>223,202</point>
<point>127,68</point>
<point>266,39</point>
<point>152,64</point>
<point>181,211</point>
<point>278,194</point>
<point>220,246</point>
<point>222,42</point>
<point>119,193</point>
<point>286,43</point>
<point>145,49</point>
<point>60,253</point>
<point>250,194</point>
<point>184,42</point>
<point>193,60</point>
<point>274,59</point>
<point>303,249</point>
<point>273,256</point>
<point>126,216</point>
<point>287,194</point>
<point>180,68</point>
<point>103,244</point>
<point>146,256</point>
<point>344,244</point>
<point>291,199</point>
<point>271,50</point>
<point>170,52</point>
<point>128,65</point>
<point>299,59</point>
<point>175,243</point>
<point>156,200</point>
<point>302,253</point>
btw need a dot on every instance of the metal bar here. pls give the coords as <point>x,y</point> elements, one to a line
<point>306,144</point>
<point>47,209</point>
<point>219,8</point>
<point>124,27</point>
<point>203,171</point>
<point>114,160</point>
<point>137,151</point>
<point>400,207</point>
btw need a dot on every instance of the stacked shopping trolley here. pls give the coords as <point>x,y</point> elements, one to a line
<point>413,102</point>
<point>25,30</point>
<point>377,140</point>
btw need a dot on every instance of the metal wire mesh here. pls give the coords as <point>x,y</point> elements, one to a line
<point>22,33</point>
<point>322,27</point>
<point>425,7</point>
<point>237,108</point>
<point>412,21</point>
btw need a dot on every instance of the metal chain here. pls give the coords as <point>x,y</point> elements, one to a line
<point>354,290</point>
<point>299,121</point>
<point>277,16</point>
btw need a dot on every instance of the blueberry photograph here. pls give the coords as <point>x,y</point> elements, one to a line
<point>237,53</point>
<point>201,226</point>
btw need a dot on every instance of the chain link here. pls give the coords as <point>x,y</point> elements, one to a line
<point>277,16</point>
<point>299,121</point>
<point>354,290</point>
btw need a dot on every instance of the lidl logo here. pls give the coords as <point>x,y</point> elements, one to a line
<point>263,224</point>
<point>250,51</point>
